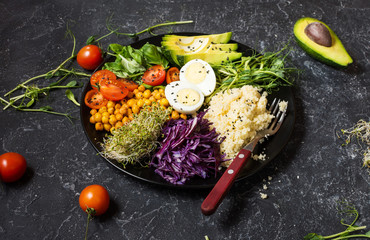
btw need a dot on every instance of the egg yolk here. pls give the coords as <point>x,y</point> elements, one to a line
<point>188,96</point>
<point>196,73</point>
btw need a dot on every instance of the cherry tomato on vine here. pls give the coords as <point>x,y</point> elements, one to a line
<point>131,85</point>
<point>101,75</point>
<point>94,200</point>
<point>113,90</point>
<point>173,74</point>
<point>12,166</point>
<point>154,76</point>
<point>90,57</point>
<point>94,99</point>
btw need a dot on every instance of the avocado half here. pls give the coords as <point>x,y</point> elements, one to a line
<point>334,55</point>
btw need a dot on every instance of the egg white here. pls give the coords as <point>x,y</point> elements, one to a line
<point>171,92</point>
<point>208,85</point>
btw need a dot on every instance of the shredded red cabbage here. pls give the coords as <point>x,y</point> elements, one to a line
<point>189,148</point>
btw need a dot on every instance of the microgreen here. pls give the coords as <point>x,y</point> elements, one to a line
<point>361,132</point>
<point>267,71</point>
<point>348,209</point>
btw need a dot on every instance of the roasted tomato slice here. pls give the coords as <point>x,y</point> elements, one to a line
<point>131,85</point>
<point>154,76</point>
<point>113,90</point>
<point>173,74</point>
<point>94,99</point>
<point>101,75</point>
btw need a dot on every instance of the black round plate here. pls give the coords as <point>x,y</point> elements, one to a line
<point>271,147</point>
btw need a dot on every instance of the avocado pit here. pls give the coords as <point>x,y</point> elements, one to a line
<point>318,33</point>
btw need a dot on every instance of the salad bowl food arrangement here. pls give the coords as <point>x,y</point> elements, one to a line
<point>184,104</point>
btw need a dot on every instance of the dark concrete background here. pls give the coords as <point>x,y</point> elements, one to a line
<point>310,175</point>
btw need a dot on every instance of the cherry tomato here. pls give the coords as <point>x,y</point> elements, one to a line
<point>154,76</point>
<point>90,57</point>
<point>101,75</point>
<point>113,90</point>
<point>94,200</point>
<point>173,74</point>
<point>94,99</point>
<point>131,85</point>
<point>12,166</point>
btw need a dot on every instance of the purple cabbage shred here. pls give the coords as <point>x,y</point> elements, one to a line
<point>189,148</point>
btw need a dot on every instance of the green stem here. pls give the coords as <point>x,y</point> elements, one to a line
<point>346,231</point>
<point>87,224</point>
<point>19,108</point>
<point>352,236</point>
<point>62,64</point>
<point>25,82</point>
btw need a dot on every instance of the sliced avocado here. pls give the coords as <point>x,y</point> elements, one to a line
<point>213,58</point>
<point>211,48</point>
<point>312,36</point>
<point>187,40</point>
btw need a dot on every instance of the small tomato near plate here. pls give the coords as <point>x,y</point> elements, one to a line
<point>12,166</point>
<point>173,74</point>
<point>94,199</point>
<point>94,99</point>
<point>154,76</point>
<point>90,57</point>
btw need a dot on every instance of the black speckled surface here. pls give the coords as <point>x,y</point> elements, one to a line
<point>306,179</point>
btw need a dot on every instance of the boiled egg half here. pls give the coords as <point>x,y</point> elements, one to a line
<point>184,97</point>
<point>200,74</point>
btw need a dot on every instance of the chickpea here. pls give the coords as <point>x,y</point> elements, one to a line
<point>135,109</point>
<point>175,115</point>
<point>97,117</point>
<point>129,111</point>
<point>183,116</point>
<point>140,103</point>
<point>116,111</point>
<point>105,119</point>
<point>103,109</point>
<point>117,106</point>
<point>112,129</point>
<point>141,88</point>
<point>125,120</point>
<point>107,127</point>
<point>119,116</point>
<point>164,102</point>
<point>111,110</point>
<point>154,92</point>
<point>123,110</point>
<point>112,119</point>
<point>158,96</point>
<point>136,91</point>
<point>118,125</point>
<point>93,111</point>
<point>105,114</point>
<point>147,102</point>
<point>131,116</point>
<point>152,99</point>
<point>147,93</point>
<point>161,91</point>
<point>131,102</point>
<point>123,101</point>
<point>99,126</point>
<point>110,104</point>
<point>139,95</point>
<point>92,119</point>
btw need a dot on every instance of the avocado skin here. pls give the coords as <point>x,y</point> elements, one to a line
<point>315,51</point>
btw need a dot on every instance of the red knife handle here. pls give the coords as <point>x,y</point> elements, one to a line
<point>223,185</point>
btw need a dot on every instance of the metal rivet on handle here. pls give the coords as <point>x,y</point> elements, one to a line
<point>241,155</point>
<point>230,171</point>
